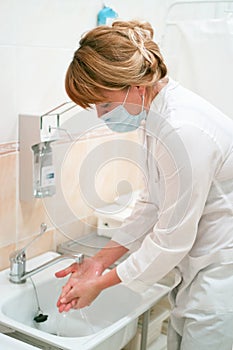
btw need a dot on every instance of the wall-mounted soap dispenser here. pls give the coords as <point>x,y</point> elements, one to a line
<point>37,134</point>
<point>44,172</point>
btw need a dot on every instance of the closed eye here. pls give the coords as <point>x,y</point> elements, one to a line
<point>105,105</point>
<point>103,108</point>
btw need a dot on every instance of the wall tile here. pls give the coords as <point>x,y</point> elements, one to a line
<point>99,184</point>
<point>8,83</point>
<point>9,22</point>
<point>30,216</point>
<point>75,230</point>
<point>54,23</point>
<point>8,198</point>
<point>40,78</point>
<point>4,255</point>
<point>8,148</point>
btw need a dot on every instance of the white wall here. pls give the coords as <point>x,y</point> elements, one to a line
<point>198,48</point>
<point>37,41</point>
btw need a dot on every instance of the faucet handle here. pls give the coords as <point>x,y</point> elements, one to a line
<point>19,255</point>
<point>18,259</point>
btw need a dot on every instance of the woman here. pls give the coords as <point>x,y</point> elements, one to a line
<point>184,220</point>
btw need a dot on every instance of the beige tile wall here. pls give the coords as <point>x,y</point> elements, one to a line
<point>20,221</point>
<point>8,198</point>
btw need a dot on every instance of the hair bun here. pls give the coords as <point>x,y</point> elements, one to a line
<point>139,33</point>
<point>144,28</point>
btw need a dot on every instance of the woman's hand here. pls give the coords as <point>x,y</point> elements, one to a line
<point>80,289</point>
<point>89,268</point>
<point>78,293</point>
<point>87,279</point>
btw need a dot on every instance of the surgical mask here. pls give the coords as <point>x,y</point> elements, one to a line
<point>120,120</point>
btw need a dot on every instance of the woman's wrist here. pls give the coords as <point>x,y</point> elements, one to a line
<point>98,262</point>
<point>108,279</point>
<point>109,254</point>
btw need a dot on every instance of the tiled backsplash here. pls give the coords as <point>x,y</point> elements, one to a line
<point>19,222</point>
<point>8,206</point>
<point>71,213</point>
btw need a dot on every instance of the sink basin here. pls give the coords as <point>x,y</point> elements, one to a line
<point>110,322</point>
<point>112,305</point>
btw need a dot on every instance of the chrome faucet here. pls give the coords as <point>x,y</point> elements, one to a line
<point>18,273</point>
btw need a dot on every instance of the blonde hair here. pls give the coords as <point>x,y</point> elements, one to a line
<point>114,58</point>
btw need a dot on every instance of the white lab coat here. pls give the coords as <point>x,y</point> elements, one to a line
<point>186,220</point>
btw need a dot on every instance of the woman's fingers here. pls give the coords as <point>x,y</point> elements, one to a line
<point>70,269</point>
<point>62,298</point>
<point>66,307</point>
<point>65,289</point>
<point>77,295</point>
<point>81,288</point>
<point>68,294</point>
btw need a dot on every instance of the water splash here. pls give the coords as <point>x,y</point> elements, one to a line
<point>89,324</point>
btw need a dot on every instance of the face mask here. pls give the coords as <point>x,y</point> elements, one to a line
<point>120,120</point>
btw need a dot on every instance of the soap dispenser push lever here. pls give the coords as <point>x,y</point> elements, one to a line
<point>18,273</point>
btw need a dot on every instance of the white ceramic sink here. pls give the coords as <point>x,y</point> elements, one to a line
<point>109,323</point>
<point>8,343</point>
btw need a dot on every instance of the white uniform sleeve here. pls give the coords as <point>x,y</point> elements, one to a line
<point>187,159</point>
<point>141,221</point>
<point>145,212</point>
